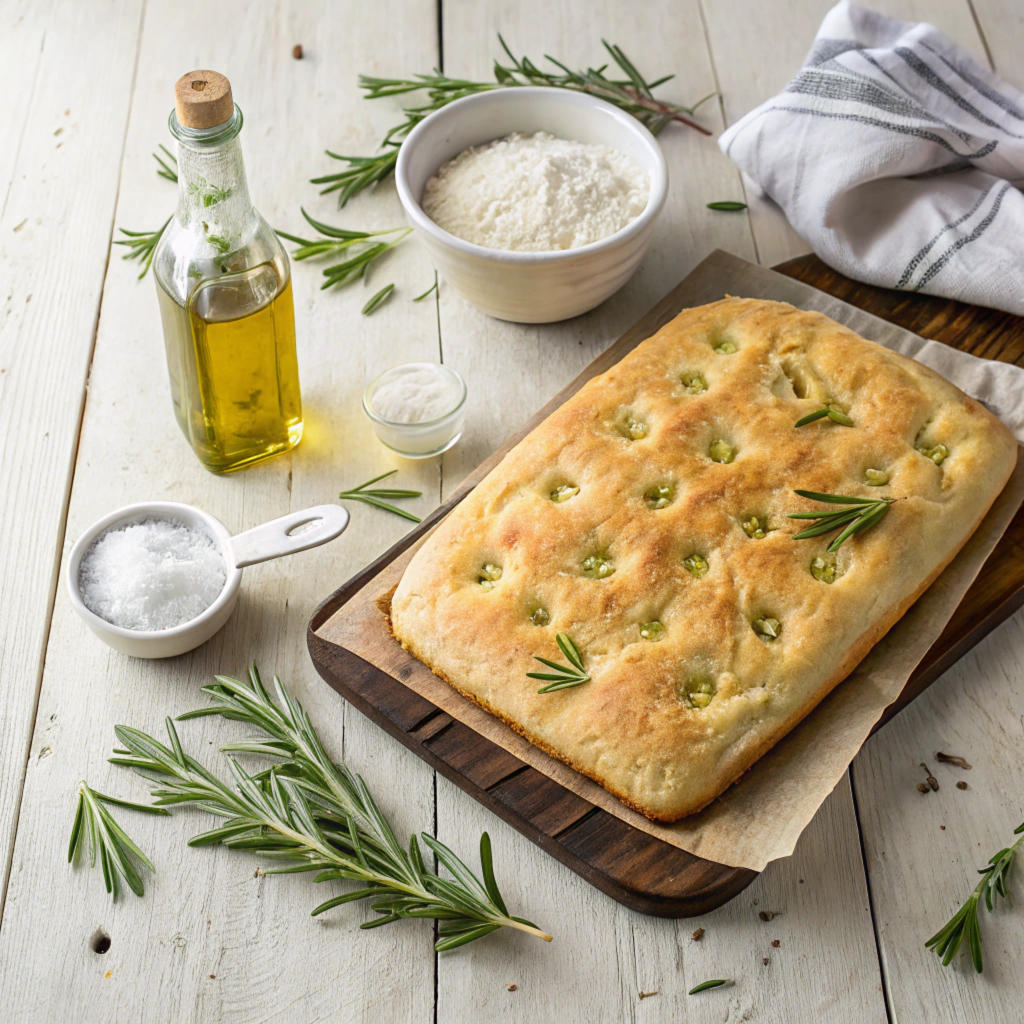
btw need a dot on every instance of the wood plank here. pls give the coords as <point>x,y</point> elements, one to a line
<point>1001,26</point>
<point>63,126</point>
<point>590,972</point>
<point>758,48</point>
<point>204,913</point>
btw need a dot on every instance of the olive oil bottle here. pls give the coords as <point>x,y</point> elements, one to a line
<point>224,289</point>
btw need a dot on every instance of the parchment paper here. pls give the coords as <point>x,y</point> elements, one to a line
<point>760,818</point>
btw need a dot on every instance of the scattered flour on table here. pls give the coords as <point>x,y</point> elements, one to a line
<point>151,575</point>
<point>536,193</point>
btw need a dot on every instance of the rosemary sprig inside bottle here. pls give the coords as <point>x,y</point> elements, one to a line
<point>311,814</point>
<point>631,93</point>
<point>95,826</point>
<point>858,515</point>
<point>373,496</point>
<point>562,677</point>
<point>360,248</point>
<point>964,923</point>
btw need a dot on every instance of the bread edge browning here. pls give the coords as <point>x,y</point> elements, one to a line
<point>745,759</point>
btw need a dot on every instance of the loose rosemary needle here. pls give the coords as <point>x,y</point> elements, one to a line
<point>311,814</point>
<point>631,92</point>
<point>374,496</point>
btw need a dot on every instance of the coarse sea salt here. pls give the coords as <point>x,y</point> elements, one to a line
<point>151,575</point>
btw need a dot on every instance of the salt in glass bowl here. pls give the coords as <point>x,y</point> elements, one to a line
<point>427,438</point>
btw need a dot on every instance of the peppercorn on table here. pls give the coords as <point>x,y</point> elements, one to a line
<point>835,931</point>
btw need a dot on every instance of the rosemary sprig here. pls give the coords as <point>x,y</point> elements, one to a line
<point>373,497</point>
<point>860,515</point>
<point>964,923</point>
<point>141,245</point>
<point>834,414</point>
<point>631,93</point>
<point>360,249</point>
<point>379,299</point>
<point>95,825</point>
<point>311,814</point>
<point>165,169</point>
<point>563,676</point>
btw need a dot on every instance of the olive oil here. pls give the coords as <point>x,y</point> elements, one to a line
<point>236,396</point>
<point>225,295</point>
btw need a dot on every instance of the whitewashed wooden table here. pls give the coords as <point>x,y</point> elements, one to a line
<point>86,425</point>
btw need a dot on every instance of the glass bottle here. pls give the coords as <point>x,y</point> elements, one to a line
<point>224,288</point>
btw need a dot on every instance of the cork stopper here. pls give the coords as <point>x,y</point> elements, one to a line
<point>202,99</point>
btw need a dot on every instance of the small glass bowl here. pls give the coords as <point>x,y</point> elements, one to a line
<point>425,439</point>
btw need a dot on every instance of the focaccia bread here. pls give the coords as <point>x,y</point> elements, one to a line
<point>646,519</point>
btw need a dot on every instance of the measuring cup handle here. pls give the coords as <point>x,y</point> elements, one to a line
<point>274,539</point>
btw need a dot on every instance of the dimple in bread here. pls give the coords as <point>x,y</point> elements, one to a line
<point>646,518</point>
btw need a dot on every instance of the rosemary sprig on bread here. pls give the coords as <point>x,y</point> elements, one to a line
<point>857,515</point>
<point>562,677</point>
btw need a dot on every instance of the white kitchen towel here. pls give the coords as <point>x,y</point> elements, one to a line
<point>898,158</point>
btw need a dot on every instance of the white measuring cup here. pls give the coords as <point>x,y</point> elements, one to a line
<point>271,540</point>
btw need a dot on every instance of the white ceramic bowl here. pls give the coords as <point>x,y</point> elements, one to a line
<point>271,540</point>
<point>530,287</point>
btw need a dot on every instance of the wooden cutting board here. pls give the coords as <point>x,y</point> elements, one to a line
<point>636,869</point>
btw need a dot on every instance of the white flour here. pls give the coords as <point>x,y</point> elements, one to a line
<point>536,193</point>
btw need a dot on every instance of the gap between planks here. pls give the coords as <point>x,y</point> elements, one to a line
<point>72,464</point>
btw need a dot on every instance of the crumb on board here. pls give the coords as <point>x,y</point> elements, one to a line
<point>213,975</point>
<point>108,974</point>
<point>952,759</point>
<point>776,943</point>
<point>943,827</point>
<point>765,961</point>
<point>644,995</point>
<point>697,935</point>
<point>767,915</point>
<point>297,51</point>
<point>512,987</point>
<point>961,785</point>
<point>923,788</point>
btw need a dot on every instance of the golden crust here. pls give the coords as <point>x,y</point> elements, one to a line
<point>627,728</point>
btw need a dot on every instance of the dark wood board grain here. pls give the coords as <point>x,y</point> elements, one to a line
<point>636,869</point>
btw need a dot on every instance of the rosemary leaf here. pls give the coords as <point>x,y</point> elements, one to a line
<point>704,985</point>
<point>727,204</point>
<point>379,299</point>
<point>429,291</point>
<point>369,496</point>
<point>166,170</point>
